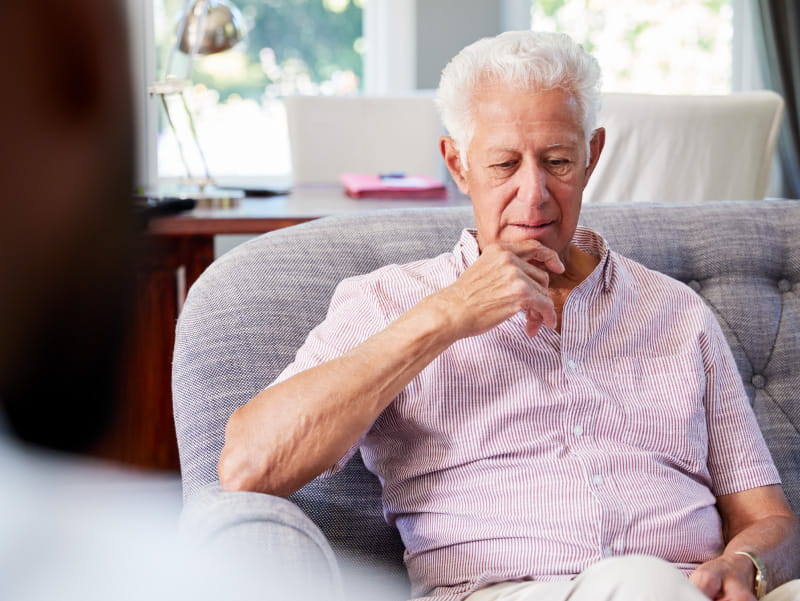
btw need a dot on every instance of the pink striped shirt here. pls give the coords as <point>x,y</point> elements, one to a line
<point>517,458</point>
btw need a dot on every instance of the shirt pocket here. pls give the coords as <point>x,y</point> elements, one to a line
<point>662,400</point>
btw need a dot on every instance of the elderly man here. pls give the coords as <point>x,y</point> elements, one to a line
<point>549,420</point>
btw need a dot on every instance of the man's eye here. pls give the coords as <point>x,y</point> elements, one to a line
<point>559,165</point>
<point>505,165</point>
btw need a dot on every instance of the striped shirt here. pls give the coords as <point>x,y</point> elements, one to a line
<point>518,458</point>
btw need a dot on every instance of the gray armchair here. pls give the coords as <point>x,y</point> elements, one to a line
<point>250,311</point>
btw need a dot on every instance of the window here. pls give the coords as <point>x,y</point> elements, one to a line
<point>649,46</point>
<point>292,47</point>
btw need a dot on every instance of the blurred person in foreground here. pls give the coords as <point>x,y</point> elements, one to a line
<point>549,420</point>
<point>72,527</point>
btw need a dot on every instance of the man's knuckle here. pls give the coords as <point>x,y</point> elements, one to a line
<point>505,256</point>
<point>518,288</point>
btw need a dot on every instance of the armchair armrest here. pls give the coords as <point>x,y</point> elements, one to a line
<point>266,538</point>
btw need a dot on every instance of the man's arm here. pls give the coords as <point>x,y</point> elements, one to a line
<point>293,431</point>
<point>760,521</point>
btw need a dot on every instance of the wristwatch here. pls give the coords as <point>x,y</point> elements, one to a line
<point>760,586</point>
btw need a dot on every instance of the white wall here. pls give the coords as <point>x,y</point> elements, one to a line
<point>444,27</point>
<point>410,41</point>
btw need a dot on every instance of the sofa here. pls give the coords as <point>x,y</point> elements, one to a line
<point>246,316</point>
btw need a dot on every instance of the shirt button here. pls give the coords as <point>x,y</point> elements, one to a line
<point>578,430</point>
<point>597,479</point>
<point>572,365</point>
<point>607,551</point>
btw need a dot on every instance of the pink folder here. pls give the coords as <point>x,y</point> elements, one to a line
<point>362,185</point>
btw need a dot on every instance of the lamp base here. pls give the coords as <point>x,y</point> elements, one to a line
<point>213,198</point>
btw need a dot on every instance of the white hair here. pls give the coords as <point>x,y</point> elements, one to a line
<point>528,60</point>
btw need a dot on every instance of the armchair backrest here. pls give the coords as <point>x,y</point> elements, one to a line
<point>249,312</point>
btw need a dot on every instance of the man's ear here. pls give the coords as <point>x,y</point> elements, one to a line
<point>596,145</point>
<point>452,158</point>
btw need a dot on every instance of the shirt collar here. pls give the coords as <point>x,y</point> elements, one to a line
<point>593,243</point>
<point>584,238</point>
<point>467,250</point>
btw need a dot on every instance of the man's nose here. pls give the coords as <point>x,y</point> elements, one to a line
<point>533,184</point>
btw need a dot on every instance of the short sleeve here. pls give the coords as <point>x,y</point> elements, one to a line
<point>738,457</point>
<point>353,316</point>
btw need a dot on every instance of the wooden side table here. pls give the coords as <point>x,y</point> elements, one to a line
<point>177,249</point>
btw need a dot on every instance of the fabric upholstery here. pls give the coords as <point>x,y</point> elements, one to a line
<point>686,148</point>
<point>318,125</point>
<point>250,311</point>
<point>272,541</point>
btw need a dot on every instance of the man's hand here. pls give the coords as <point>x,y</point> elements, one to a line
<point>507,278</point>
<point>726,578</point>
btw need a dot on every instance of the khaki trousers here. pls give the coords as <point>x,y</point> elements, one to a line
<point>627,578</point>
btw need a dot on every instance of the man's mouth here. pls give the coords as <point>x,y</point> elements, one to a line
<point>534,226</point>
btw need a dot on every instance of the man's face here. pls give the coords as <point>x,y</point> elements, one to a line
<point>527,165</point>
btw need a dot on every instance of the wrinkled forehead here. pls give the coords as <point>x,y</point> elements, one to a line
<point>498,105</point>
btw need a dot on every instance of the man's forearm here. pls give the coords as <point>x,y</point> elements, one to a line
<point>758,521</point>
<point>775,541</point>
<point>293,431</point>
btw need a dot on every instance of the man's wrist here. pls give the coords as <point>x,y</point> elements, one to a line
<point>440,317</point>
<point>760,573</point>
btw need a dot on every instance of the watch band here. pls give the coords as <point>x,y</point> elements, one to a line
<point>760,586</point>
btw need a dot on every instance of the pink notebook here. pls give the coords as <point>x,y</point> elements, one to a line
<point>362,185</point>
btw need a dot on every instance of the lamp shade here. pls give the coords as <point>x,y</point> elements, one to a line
<point>211,26</point>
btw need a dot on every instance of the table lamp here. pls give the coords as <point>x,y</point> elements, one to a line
<point>205,27</point>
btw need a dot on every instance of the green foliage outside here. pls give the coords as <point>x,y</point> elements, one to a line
<point>654,46</point>
<point>309,38</point>
<point>549,8</point>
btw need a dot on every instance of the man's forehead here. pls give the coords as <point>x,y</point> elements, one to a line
<point>571,143</point>
<point>511,103</point>
<point>543,134</point>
